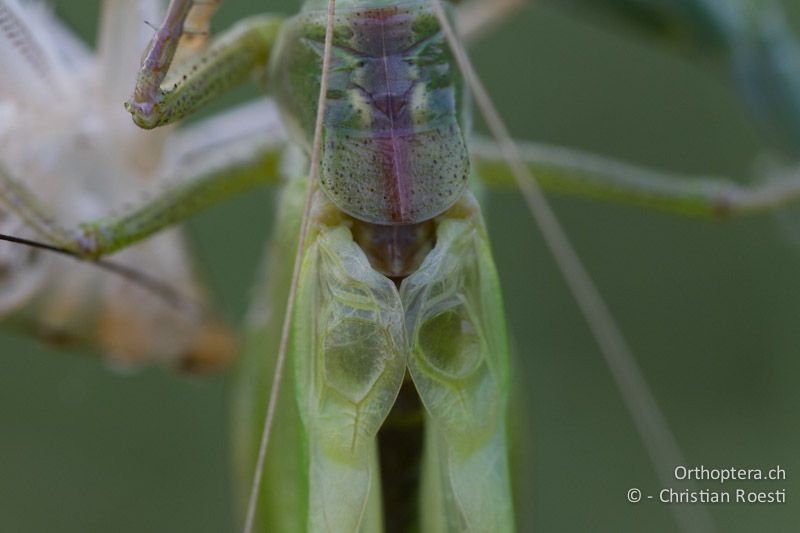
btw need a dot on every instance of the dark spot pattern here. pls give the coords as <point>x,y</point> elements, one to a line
<point>393,147</point>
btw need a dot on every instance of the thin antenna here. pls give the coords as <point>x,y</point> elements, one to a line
<point>658,440</point>
<point>164,291</point>
<point>298,258</point>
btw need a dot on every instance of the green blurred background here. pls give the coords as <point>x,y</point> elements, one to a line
<point>711,310</point>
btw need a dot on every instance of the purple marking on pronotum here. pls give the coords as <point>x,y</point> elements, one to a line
<point>388,87</point>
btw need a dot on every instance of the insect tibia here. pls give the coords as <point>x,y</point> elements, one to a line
<point>159,56</point>
<point>167,90</point>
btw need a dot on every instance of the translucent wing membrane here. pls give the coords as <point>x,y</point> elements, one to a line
<point>647,416</point>
<point>350,350</point>
<point>459,362</point>
<point>353,336</point>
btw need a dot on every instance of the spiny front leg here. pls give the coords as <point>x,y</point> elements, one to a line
<point>165,93</point>
<point>157,60</point>
<point>213,176</point>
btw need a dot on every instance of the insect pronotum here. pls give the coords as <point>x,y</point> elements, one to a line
<point>542,509</point>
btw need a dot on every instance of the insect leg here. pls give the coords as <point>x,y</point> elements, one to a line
<point>347,362</point>
<point>163,94</point>
<point>211,178</point>
<point>281,502</point>
<point>569,171</point>
<point>648,418</point>
<point>196,29</point>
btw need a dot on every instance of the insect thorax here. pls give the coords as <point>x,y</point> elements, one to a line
<point>393,139</point>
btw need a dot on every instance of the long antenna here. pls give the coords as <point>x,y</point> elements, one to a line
<point>659,442</point>
<point>159,288</point>
<point>277,378</point>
